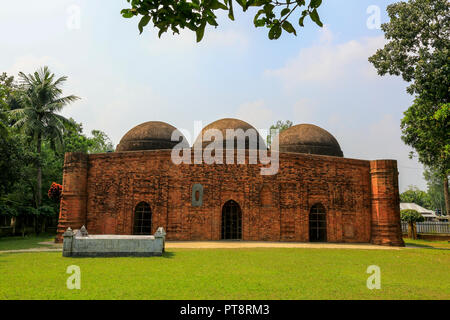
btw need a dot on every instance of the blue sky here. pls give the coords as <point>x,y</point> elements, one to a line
<point>321,76</point>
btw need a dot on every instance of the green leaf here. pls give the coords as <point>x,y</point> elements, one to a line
<point>268,8</point>
<point>288,27</point>
<point>144,21</point>
<point>315,3</point>
<point>315,17</point>
<point>248,4</point>
<point>301,21</point>
<point>218,5</point>
<point>260,22</point>
<point>241,3</point>
<point>126,13</point>
<point>285,11</point>
<point>230,12</point>
<point>275,32</point>
<point>212,21</point>
<point>200,31</point>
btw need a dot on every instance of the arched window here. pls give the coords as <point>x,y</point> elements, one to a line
<point>317,224</point>
<point>142,219</point>
<point>231,221</point>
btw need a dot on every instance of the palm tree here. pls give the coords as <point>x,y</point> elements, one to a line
<point>37,115</point>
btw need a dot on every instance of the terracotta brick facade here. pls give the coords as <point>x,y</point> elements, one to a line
<point>360,197</point>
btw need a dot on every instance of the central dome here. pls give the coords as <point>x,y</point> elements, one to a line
<point>152,135</point>
<point>308,138</point>
<point>234,124</point>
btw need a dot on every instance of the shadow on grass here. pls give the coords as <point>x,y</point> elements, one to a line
<point>419,245</point>
<point>168,254</point>
<point>425,246</point>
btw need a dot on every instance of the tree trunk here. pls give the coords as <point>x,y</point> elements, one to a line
<point>13,224</point>
<point>414,230</point>
<point>410,230</point>
<point>39,172</point>
<point>446,197</point>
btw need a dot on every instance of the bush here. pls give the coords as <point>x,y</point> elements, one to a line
<point>410,215</point>
<point>55,192</point>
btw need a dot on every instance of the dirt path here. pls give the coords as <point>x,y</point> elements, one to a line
<point>257,244</point>
<point>55,247</point>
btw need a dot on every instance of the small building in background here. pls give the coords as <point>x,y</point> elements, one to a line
<point>429,215</point>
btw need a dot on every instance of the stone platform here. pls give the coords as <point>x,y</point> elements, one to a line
<point>81,244</point>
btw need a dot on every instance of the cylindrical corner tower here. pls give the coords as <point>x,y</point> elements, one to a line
<point>74,194</point>
<point>386,227</point>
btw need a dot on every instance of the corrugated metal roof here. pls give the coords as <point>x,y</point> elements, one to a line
<point>421,210</point>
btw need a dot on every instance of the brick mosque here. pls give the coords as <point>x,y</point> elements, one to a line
<point>317,194</point>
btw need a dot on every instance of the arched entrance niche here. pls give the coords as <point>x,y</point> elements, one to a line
<point>317,223</point>
<point>142,219</point>
<point>231,221</point>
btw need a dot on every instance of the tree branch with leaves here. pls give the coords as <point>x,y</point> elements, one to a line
<point>195,15</point>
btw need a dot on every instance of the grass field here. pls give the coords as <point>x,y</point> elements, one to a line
<point>275,273</point>
<point>428,243</point>
<point>27,242</point>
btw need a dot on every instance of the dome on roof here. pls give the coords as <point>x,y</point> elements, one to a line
<point>308,138</point>
<point>252,138</point>
<point>152,135</point>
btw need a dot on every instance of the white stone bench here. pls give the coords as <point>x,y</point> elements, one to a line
<point>81,244</point>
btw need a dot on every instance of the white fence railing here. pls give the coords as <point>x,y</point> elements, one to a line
<point>429,227</point>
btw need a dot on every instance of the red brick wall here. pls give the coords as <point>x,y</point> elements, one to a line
<point>73,203</point>
<point>274,208</point>
<point>386,226</point>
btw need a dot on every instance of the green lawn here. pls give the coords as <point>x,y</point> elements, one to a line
<point>27,242</point>
<point>231,274</point>
<point>428,243</point>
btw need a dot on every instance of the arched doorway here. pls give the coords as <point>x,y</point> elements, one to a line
<point>142,219</point>
<point>231,221</point>
<point>317,224</point>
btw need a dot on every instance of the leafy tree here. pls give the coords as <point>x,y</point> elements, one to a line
<point>426,127</point>
<point>280,126</point>
<point>417,196</point>
<point>418,35</point>
<point>18,149</point>
<point>100,142</point>
<point>197,14</point>
<point>7,87</point>
<point>435,189</point>
<point>13,158</point>
<point>40,100</point>
<point>418,46</point>
<point>76,141</point>
<point>411,216</point>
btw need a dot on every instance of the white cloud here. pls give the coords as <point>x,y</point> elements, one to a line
<point>30,63</point>
<point>333,85</point>
<point>304,111</point>
<point>381,139</point>
<point>328,63</point>
<point>257,114</point>
<point>116,107</point>
<point>227,38</point>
